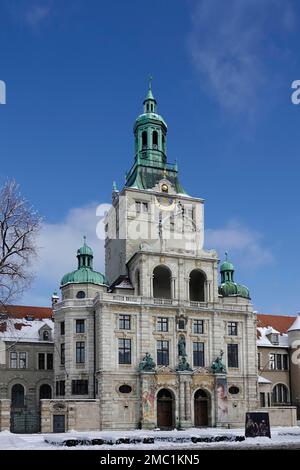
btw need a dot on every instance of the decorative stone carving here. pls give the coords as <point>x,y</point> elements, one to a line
<point>147,363</point>
<point>217,366</point>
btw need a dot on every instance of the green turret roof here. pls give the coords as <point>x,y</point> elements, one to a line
<point>85,273</point>
<point>228,287</point>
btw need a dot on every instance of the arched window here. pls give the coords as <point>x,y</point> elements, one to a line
<point>155,139</point>
<point>45,392</point>
<point>197,284</point>
<point>80,294</point>
<point>17,396</point>
<point>162,282</point>
<point>46,335</point>
<point>144,140</point>
<point>280,394</point>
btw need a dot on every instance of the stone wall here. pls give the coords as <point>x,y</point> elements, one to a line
<point>281,415</point>
<point>4,415</point>
<point>80,415</point>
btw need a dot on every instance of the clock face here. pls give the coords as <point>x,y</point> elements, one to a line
<point>165,188</point>
<point>165,203</point>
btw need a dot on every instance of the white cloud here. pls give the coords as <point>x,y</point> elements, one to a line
<point>37,13</point>
<point>245,246</point>
<point>59,242</point>
<point>32,13</point>
<point>229,46</point>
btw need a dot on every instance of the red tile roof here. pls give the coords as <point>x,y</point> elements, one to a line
<point>21,311</point>
<point>280,323</point>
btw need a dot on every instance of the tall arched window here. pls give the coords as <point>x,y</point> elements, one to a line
<point>280,394</point>
<point>144,139</point>
<point>163,143</point>
<point>17,396</point>
<point>155,139</point>
<point>162,282</point>
<point>197,286</point>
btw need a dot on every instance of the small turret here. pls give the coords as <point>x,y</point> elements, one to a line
<point>54,298</point>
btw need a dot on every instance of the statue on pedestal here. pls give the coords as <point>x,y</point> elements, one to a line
<point>217,366</point>
<point>147,363</point>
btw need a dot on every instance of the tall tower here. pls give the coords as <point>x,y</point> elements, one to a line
<point>153,214</point>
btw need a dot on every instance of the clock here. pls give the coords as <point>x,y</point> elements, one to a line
<point>165,203</point>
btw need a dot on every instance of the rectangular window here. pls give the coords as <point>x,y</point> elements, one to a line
<point>13,360</point>
<point>62,353</point>
<point>162,353</point>
<point>278,361</point>
<point>50,361</point>
<point>145,206</point>
<point>22,360</point>
<point>232,355</point>
<point>262,399</point>
<point>172,223</point>
<point>80,326</point>
<point>198,327</point>
<point>198,354</point>
<point>80,387</point>
<point>124,351</point>
<point>272,361</point>
<point>232,328</point>
<point>60,388</point>
<point>124,322</point>
<point>137,206</point>
<point>80,352</point>
<point>41,361</point>
<point>62,328</point>
<point>259,361</point>
<point>285,361</point>
<point>181,324</point>
<point>162,324</point>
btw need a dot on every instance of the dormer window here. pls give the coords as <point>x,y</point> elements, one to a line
<point>274,338</point>
<point>46,335</point>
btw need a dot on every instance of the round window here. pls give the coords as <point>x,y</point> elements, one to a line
<point>80,294</point>
<point>234,390</point>
<point>125,389</point>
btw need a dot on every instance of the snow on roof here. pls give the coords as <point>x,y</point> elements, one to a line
<point>264,340</point>
<point>24,330</point>
<point>263,380</point>
<point>296,325</point>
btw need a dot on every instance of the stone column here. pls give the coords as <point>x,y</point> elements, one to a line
<point>184,399</point>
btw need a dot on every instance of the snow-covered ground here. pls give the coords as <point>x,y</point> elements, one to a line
<point>282,437</point>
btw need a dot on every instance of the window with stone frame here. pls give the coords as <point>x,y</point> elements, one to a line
<point>162,353</point>
<point>60,388</point>
<point>62,354</point>
<point>124,351</point>
<point>198,354</point>
<point>62,328</point>
<point>271,361</point>
<point>124,322</point>
<point>13,360</point>
<point>22,360</point>
<point>233,355</point>
<point>198,327</point>
<point>162,324</point>
<point>80,387</point>
<point>80,326</point>
<point>80,352</point>
<point>232,328</point>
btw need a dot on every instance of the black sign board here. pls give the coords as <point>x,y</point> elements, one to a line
<point>257,424</point>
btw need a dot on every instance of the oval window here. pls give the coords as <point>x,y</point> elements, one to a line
<point>125,389</point>
<point>234,390</point>
<point>80,294</point>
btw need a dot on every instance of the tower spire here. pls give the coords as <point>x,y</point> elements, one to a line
<point>150,102</point>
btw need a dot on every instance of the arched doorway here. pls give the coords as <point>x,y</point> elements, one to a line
<point>17,396</point>
<point>45,392</point>
<point>165,409</point>
<point>162,282</point>
<point>197,286</point>
<point>200,408</point>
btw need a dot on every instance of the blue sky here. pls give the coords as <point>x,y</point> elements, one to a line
<point>76,74</point>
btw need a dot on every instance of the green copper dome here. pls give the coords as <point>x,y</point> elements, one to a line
<point>228,287</point>
<point>85,273</point>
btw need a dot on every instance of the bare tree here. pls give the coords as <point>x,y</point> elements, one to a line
<point>19,226</point>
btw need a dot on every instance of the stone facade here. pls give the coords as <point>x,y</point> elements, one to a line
<point>161,297</point>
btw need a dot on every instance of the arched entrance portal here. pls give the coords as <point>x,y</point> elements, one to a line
<point>165,409</point>
<point>201,408</point>
<point>17,396</point>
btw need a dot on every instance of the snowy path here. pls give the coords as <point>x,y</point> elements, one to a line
<point>281,438</point>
